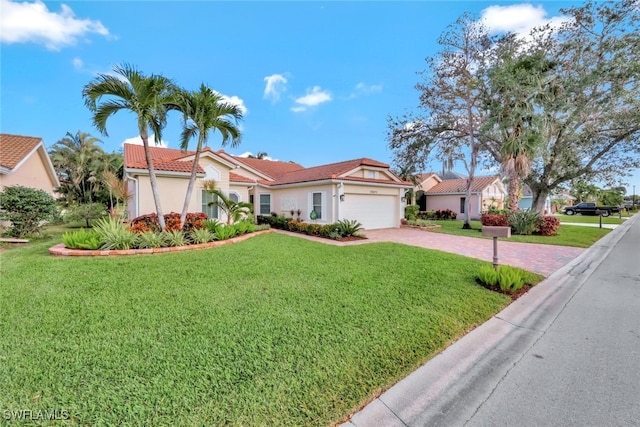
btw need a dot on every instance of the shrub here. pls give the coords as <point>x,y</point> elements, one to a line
<point>86,212</point>
<point>225,232</point>
<point>348,228</point>
<point>82,239</point>
<point>507,278</point>
<point>115,234</point>
<point>420,222</point>
<point>495,220</point>
<point>211,224</point>
<point>524,222</point>
<point>549,225</point>
<point>26,208</point>
<point>201,235</point>
<point>245,226</point>
<point>411,212</point>
<point>488,275</point>
<point>174,237</point>
<point>446,214</point>
<point>313,229</point>
<point>326,230</point>
<point>510,279</point>
<point>262,227</point>
<point>427,215</point>
<point>150,222</point>
<point>151,239</point>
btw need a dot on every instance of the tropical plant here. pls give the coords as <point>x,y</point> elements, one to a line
<point>245,226</point>
<point>25,208</point>
<point>411,212</point>
<point>348,228</point>
<point>174,237</point>
<point>524,222</point>
<point>201,235</point>
<point>224,232</point>
<point>148,97</point>
<point>86,212</point>
<point>204,111</point>
<point>487,275</point>
<point>115,234</point>
<point>82,239</point>
<point>150,240</point>
<point>235,211</point>
<point>510,279</point>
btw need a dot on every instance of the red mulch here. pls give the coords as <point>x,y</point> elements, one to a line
<point>514,296</point>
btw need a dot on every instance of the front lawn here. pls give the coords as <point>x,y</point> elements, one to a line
<point>568,235</point>
<point>275,330</point>
<point>591,219</point>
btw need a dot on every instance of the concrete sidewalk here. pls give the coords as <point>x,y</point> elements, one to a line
<point>566,353</point>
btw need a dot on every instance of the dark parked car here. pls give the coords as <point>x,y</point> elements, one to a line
<point>590,209</point>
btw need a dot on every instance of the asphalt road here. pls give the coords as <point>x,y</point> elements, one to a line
<point>585,369</point>
<point>567,353</point>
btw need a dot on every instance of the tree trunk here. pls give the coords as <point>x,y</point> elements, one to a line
<point>192,181</point>
<point>513,192</point>
<point>539,200</point>
<point>152,178</point>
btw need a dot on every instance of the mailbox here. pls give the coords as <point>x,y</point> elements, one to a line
<point>494,231</point>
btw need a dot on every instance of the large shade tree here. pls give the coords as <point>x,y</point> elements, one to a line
<point>148,97</point>
<point>589,108</point>
<point>206,111</point>
<point>450,117</point>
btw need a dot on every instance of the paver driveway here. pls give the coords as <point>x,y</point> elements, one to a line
<point>542,259</point>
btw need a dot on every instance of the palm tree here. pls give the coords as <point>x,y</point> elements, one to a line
<point>261,155</point>
<point>78,160</point>
<point>148,97</point>
<point>234,210</point>
<point>205,110</point>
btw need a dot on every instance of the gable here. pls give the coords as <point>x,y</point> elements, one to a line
<point>459,186</point>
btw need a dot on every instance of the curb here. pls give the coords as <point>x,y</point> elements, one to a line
<point>449,388</point>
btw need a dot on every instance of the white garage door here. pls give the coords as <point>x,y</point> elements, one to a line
<point>372,211</point>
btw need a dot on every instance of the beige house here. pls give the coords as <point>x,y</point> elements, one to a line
<point>434,193</point>
<point>363,189</point>
<point>24,161</point>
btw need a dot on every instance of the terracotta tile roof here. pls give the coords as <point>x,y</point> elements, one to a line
<point>234,177</point>
<point>449,186</point>
<point>14,148</point>
<point>271,168</point>
<point>164,159</point>
<point>424,176</point>
<point>330,171</point>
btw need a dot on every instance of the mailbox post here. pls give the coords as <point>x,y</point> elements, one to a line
<point>495,232</point>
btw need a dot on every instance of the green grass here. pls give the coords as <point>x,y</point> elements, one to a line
<point>275,330</point>
<point>591,219</point>
<point>568,235</point>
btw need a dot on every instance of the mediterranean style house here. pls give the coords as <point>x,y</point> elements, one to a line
<point>363,189</point>
<point>24,161</point>
<point>434,193</point>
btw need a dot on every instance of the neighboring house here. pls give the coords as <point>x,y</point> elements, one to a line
<point>526,201</point>
<point>24,161</point>
<point>439,194</point>
<point>425,181</point>
<point>363,189</point>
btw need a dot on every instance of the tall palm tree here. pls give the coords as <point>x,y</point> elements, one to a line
<point>148,97</point>
<point>205,110</point>
<point>78,160</point>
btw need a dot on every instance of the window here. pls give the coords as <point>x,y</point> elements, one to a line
<point>317,204</point>
<point>463,201</point>
<point>265,204</point>
<point>234,197</point>
<point>370,174</point>
<point>210,210</point>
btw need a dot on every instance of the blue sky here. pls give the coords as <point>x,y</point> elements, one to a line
<point>317,79</point>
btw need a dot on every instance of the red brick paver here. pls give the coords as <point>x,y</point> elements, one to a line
<point>542,259</point>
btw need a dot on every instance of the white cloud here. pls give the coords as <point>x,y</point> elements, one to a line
<point>362,89</point>
<point>518,18</point>
<point>33,23</point>
<point>247,154</point>
<point>276,84</point>
<point>315,96</point>
<point>136,140</point>
<point>78,63</point>
<point>234,100</point>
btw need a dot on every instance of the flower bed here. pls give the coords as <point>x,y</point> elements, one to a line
<point>61,250</point>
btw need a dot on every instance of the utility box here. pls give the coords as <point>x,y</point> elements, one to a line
<point>495,231</point>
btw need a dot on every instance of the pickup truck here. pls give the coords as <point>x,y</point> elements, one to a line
<point>590,209</point>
